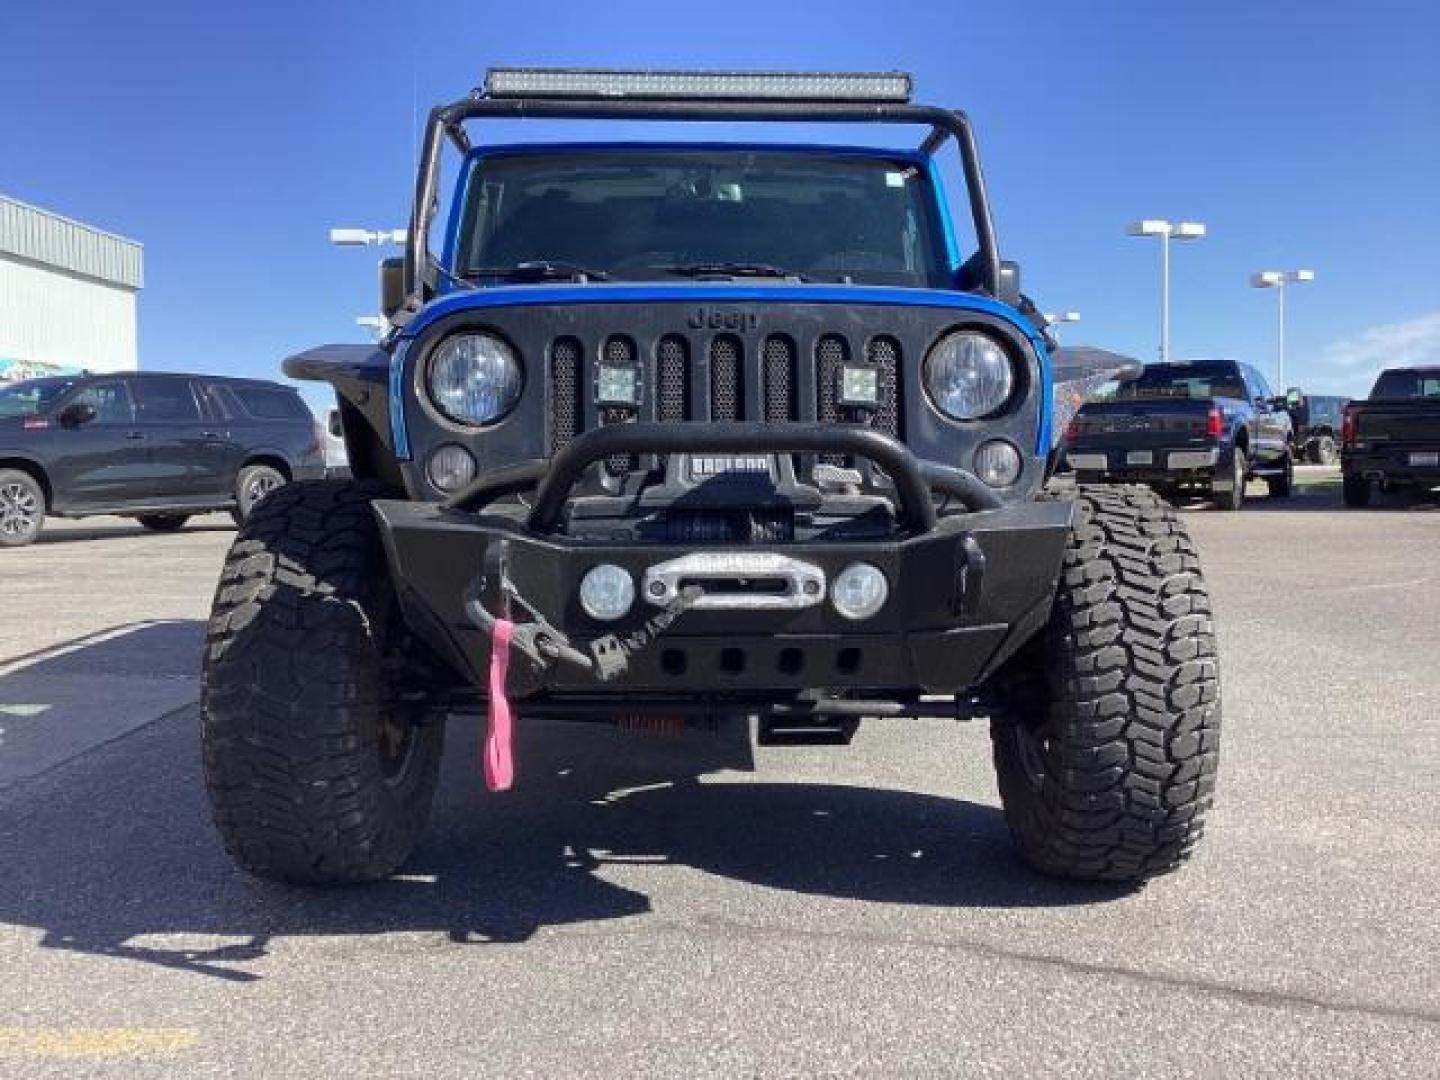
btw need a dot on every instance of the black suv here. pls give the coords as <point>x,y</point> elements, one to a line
<point>155,447</point>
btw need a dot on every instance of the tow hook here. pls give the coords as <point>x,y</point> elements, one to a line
<point>543,645</point>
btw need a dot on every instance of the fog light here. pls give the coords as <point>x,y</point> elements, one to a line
<point>606,592</point>
<point>859,591</point>
<point>450,468</point>
<point>997,462</point>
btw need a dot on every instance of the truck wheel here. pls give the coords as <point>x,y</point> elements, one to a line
<point>1322,450</point>
<point>1234,499</point>
<point>163,522</point>
<point>1107,742</point>
<point>1357,491</point>
<point>22,508</point>
<point>316,772</point>
<point>253,484</point>
<point>1279,487</point>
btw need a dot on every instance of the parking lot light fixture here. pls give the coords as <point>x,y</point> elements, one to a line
<point>1278,280</point>
<point>1166,231</point>
<point>1055,318</point>
<point>367,237</point>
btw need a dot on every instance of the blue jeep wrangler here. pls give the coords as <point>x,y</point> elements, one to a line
<point>669,434</point>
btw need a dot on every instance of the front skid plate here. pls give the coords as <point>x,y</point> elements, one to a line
<point>949,620</point>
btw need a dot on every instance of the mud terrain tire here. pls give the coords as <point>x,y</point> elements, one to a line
<point>316,773</point>
<point>1107,746</point>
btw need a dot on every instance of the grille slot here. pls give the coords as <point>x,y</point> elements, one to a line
<point>726,382</point>
<point>619,352</point>
<point>884,354</point>
<point>565,388</point>
<point>780,378</point>
<point>831,353</point>
<point>672,379</point>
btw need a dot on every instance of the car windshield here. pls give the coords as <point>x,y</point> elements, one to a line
<point>1407,386</point>
<point>1184,381</point>
<point>658,214</point>
<point>31,397</point>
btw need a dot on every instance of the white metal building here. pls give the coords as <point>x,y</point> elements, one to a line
<point>67,295</point>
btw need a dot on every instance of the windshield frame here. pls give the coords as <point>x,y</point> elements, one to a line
<point>936,242</point>
<point>447,126</point>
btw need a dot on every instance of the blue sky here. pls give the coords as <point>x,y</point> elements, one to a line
<point>229,138</point>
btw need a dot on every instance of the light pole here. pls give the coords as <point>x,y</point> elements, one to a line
<point>1277,280</point>
<point>1166,231</point>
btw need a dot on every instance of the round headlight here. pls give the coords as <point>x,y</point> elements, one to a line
<point>859,591</point>
<point>474,379</point>
<point>450,468</point>
<point>606,592</point>
<point>997,462</point>
<point>968,375</point>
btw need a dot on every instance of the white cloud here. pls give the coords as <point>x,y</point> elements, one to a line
<point>1349,366</point>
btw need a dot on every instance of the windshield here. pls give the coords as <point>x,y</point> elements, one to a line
<point>654,214</point>
<point>1407,386</point>
<point>1184,381</point>
<point>31,397</point>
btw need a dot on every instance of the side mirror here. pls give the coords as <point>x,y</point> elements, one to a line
<point>1009,283</point>
<point>392,286</point>
<point>333,425</point>
<point>77,414</point>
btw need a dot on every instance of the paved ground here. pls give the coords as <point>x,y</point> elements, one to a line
<point>661,908</point>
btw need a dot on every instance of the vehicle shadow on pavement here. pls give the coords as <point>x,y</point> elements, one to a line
<point>1321,496</point>
<point>123,530</point>
<point>114,855</point>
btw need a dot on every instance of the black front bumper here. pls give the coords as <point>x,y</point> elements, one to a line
<point>965,589</point>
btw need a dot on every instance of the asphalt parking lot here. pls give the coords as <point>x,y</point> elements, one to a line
<point>691,907</point>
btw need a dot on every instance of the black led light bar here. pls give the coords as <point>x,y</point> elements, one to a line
<point>596,84</point>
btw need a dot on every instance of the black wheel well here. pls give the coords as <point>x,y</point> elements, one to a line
<point>275,461</point>
<point>370,458</point>
<point>35,472</point>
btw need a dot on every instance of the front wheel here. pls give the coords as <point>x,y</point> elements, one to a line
<point>318,769</point>
<point>22,508</point>
<point>1107,743</point>
<point>163,522</point>
<point>252,485</point>
<point>1279,487</point>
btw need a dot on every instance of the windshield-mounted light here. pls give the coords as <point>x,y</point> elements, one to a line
<point>814,86</point>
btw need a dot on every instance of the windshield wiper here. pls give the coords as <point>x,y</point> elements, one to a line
<point>540,270</point>
<point>734,270</point>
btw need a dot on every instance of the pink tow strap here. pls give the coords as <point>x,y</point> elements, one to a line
<point>499,760</point>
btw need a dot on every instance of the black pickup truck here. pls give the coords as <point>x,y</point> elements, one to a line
<point>1203,424</point>
<point>1393,437</point>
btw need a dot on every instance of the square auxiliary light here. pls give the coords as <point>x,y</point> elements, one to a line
<point>860,387</point>
<point>615,385</point>
<point>589,83</point>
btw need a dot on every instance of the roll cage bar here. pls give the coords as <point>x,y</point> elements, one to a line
<point>448,122</point>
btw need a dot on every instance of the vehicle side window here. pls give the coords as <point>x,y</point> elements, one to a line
<point>110,400</point>
<point>214,403</point>
<point>1260,386</point>
<point>265,403</point>
<point>163,401</point>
